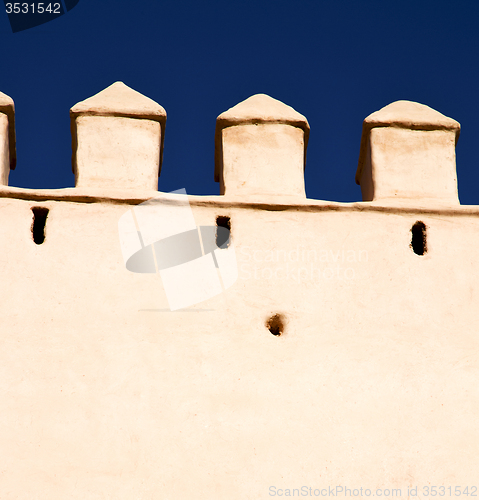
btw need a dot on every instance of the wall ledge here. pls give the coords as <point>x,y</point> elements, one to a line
<point>294,204</point>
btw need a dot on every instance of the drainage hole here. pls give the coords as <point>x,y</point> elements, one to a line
<point>223,230</point>
<point>40,215</point>
<point>418,239</point>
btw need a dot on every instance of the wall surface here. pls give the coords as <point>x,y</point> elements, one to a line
<point>106,393</point>
<point>4,146</point>
<point>325,346</point>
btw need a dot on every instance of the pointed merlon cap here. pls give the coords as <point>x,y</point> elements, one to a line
<point>7,107</point>
<point>262,108</point>
<point>120,100</point>
<point>404,114</point>
<point>259,108</point>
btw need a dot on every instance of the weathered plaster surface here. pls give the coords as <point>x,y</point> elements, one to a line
<point>282,150</point>
<point>117,139</point>
<point>261,129</point>
<point>398,160</point>
<point>8,154</point>
<point>4,150</point>
<point>136,147</point>
<point>408,151</point>
<point>108,394</point>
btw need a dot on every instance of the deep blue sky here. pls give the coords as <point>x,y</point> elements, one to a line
<point>335,62</point>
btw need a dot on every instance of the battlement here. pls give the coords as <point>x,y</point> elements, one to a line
<point>407,150</point>
<point>157,345</point>
<point>8,156</point>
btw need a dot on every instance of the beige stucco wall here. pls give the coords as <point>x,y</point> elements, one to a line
<point>117,151</point>
<point>4,150</point>
<point>281,149</point>
<point>428,155</point>
<point>105,393</point>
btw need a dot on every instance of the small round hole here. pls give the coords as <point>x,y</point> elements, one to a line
<point>275,325</point>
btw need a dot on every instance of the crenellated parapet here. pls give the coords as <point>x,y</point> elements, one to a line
<point>407,150</point>
<point>8,156</point>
